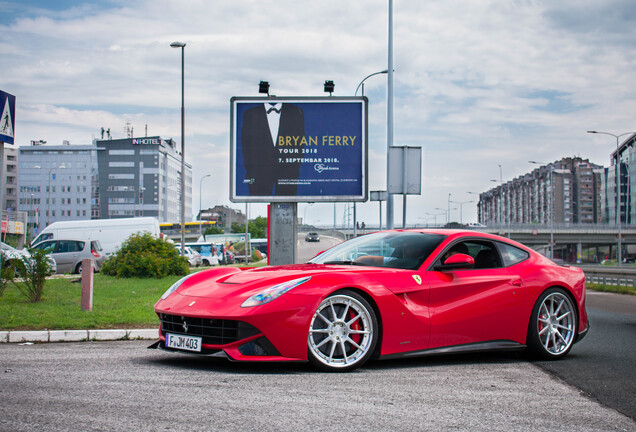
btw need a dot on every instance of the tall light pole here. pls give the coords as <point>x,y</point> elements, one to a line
<point>366,78</point>
<point>355,216</point>
<point>551,206</point>
<point>389,118</point>
<point>501,199</point>
<point>619,256</point>
<point>200,208</point>
<point>461,206</point>
<point>183,173</point>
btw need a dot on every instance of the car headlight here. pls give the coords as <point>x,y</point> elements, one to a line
<point>174,287</point>
<point>273,293</point>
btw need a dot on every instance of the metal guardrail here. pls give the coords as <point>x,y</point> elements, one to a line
<point>610,276</point>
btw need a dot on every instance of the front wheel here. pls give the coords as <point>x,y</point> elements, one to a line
<point>343,332</point>
<point>553,325</point>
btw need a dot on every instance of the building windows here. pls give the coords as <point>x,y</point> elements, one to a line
<point>121,152</point>
<point>121,164</point>
<point>121,176</point>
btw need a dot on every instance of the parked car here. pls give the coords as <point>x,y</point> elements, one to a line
<point>207,252</point>
<point>312,237</point>
<point>11,253</point>
<point>194,258</point>
<point>225,256</point>
<point>390,294</point>
<point>68,254</point>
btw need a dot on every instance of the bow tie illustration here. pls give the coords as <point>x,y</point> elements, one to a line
<point>273,109</point>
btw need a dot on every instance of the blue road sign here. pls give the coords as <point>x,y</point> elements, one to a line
<point>7,121</point>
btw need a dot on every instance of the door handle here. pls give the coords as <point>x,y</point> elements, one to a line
<point>517,282</point>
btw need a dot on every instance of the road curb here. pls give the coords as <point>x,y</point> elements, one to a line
<point>19,336</point>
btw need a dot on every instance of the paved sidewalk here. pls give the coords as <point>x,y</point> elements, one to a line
<point>18,336</point>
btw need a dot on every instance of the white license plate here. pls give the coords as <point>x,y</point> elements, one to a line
<point>181,342</point>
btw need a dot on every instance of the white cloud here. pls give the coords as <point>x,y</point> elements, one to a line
<point>478,84</point>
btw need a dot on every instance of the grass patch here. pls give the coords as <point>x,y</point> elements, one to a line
<point>117,303</point>
<point>618,289</point>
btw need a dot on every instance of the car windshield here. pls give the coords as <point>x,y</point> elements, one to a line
<point>402,250</point>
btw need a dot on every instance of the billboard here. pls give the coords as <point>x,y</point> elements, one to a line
<point>7,121</point>
<point>298,149</point>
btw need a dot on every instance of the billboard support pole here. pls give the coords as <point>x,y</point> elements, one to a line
<point>283,233</point>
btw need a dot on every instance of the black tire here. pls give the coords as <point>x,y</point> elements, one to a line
<point>553,325</point>
<point>345,341</point>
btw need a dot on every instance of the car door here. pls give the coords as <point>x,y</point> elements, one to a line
<point>481,304</point>
<point>67,255</point>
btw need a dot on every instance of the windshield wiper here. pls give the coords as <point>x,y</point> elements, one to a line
<point>345,262</point>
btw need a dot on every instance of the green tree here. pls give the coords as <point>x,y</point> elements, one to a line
<point>256,227</point>
<point>213,230</point>
<point>145,256</point>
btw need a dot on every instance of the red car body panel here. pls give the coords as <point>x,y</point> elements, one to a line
<point>417,310</point>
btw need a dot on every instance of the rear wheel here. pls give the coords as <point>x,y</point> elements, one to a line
<point>553,325</point>
<point>343,332</point>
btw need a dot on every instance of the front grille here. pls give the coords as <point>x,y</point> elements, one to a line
<point>213,331</point>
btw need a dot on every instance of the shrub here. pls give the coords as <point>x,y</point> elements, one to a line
<point>256,255</point>
<point>33,271</point>
<point>7,273</point>
<point>145,256</point>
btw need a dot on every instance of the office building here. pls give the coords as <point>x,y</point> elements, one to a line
<point>142,177</point>
<point>57,183</point>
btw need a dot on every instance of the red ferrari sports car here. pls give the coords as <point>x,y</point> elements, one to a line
<point>389,294</point>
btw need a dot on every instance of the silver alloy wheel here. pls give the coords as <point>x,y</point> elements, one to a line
<point>556,323</point>
<point>341,332</point>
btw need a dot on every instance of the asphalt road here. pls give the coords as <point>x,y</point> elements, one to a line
<point>123,386</point>
<point>307,250</point>
<point>603,365</point>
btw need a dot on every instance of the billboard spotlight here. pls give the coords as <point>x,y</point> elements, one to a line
<point>263,87</point>
<point>329,86</point>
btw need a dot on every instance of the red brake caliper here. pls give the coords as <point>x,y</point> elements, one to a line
<point>355,326</point>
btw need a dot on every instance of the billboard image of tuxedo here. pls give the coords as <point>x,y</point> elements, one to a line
<point>261,127</point>
<point>299,149</point>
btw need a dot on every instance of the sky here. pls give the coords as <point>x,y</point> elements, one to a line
<point>478,85</point>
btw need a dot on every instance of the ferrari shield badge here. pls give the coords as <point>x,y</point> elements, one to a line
<point>418,279</point>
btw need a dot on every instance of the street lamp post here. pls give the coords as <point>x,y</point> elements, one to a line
<point>619,256</point>
<point>461,205</point>
<point>355,217</point>
<point>501,200</point>
<point>551,206</point>
<point>200,208</point>
<point>183,173</point>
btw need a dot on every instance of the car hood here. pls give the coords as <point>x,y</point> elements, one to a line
<point>221,283</point>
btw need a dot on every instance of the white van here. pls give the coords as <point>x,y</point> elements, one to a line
<point>110,233</point>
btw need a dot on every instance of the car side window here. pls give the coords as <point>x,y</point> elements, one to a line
<point>512,255</point>
<point>46,247</point>
<point>484,253</point>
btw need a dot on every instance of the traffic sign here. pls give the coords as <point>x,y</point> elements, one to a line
<point>7,120</point>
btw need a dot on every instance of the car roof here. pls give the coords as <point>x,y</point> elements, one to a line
<point>453,234</point>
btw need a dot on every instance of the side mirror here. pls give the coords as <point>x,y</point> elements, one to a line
<point>457,262</point>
